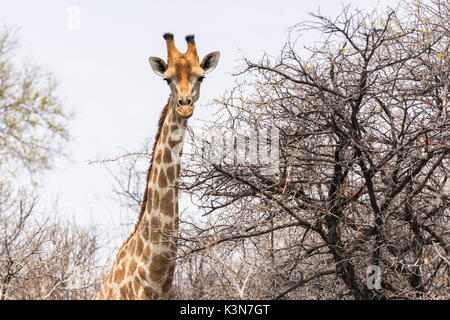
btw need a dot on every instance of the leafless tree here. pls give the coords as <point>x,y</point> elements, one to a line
<point>358,206</point>
<point>44,258</point>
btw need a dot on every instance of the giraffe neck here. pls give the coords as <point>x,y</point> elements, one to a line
<point>161,214</point>
<point>145,264</point>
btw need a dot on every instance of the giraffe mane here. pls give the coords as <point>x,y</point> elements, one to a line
<point>144,201</point>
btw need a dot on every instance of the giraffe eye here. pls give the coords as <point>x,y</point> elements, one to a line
<point>167,80</point>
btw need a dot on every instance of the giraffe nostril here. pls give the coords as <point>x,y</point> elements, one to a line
<point>184,102</point>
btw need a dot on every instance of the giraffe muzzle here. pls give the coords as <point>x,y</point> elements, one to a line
<point>185,111</point>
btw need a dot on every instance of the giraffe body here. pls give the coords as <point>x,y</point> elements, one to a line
<point>145,264</point>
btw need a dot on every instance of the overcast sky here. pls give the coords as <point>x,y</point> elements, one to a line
<point>102,66</point>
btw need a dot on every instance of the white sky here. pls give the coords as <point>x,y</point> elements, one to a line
<point>105,77</point>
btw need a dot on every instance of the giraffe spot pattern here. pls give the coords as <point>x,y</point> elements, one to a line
<point>167,204</point>
<point>162,181</point>
<point>171,174</point>
<point>167,157</point>
<point>139,247</point>
<point>142,272</point>
<point>145,230</point>
<point>119,274</point>
<point>158,267</point>
<point>168,282</point>
<point>173,143</point>
<point>132,245</point>
<point>155,199</point>
<point>132,267</point>
<point>154,230</point>
<point>158,157</point>
<point>146,253</point>
<point>124,291</point>
<point>164,134</point>
<point>148,291</point>
<point>130,290</point>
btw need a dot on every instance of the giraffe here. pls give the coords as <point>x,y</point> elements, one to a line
<point>144,266</point>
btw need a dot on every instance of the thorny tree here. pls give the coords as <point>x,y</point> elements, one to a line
<point>363,168</point>
<point>42,257</point>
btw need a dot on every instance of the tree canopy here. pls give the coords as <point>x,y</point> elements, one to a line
<point>33,120</point>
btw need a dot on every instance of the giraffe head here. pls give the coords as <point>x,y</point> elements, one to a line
<point>184,73</point>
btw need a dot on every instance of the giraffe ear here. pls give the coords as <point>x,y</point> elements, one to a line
<point>158,65</point>
<point>210,61</point>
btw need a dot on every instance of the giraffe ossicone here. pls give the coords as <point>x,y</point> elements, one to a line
<point>145,264</point>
